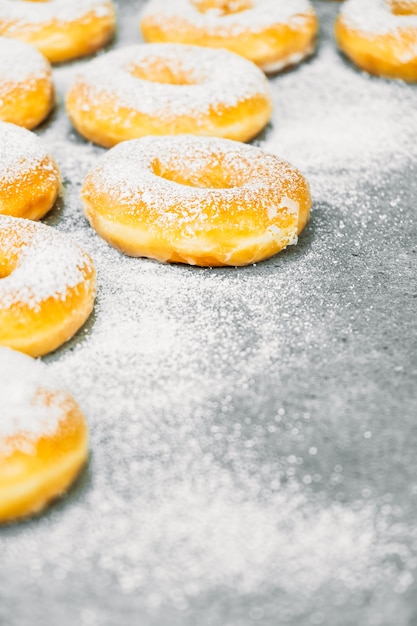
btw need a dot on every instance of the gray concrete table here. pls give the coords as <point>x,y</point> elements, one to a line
<point>253,430</point>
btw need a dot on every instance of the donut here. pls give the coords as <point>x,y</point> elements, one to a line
<point>274,34</point>
<point>29,177</point>
<point>62,30</point>
<point>198,200</point>
<point>47,286</point>
<point>380,36</point>
<point>43,436</point>
<point>26,89</point>
<point>169,89</point>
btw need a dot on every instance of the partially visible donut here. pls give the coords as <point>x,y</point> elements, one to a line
<point>169,89</point>
<point>380,36</point>
<point>29,177</point>
<point>43,437</point>
<point>62,30</point>
<point>47,286</point>
<point>274,34</point>
<point>196,200</point>
<point>26,89</point>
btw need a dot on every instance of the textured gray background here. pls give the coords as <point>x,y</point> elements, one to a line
<point>253,431</point>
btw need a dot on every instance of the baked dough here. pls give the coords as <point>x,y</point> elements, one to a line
<point>43,437</point>
<point>169,89</point>
<point>61,29</point>
<point>380,36</point>
<point>29,177</point>
<point>274,34</point>
<point>47,286</point>
<point>196,200</point>
<point>26,89</point>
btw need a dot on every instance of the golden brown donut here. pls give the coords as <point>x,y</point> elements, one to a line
<point>196,200</point>
<point>169,89</point>
<point>61,29</point>
<point>274,34</point>
<point>26,89</point>
<point>29,177</point>
<point>380,36</point>
<point>43,437</point>
<point>47,286</point>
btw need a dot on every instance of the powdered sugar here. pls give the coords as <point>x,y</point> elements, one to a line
<point>261,14</point>
<point>48,263</point>
<point>20,63</point>
<point>374,17</point>
<point>21,12</point>
<point>25,413</point>
<point>220,79</point>
<point>20,151</point>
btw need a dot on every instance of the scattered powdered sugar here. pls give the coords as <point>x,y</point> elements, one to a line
<point>25,414</point>
<point>22,13</point>
<point>374,17</point>
<point>220,79</point>
<point>261,14</point>
<point>48,263</point>
<point>20,63</point>
<point>20,151</point>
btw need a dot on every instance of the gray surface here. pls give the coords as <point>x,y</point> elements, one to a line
<point>253,431</point>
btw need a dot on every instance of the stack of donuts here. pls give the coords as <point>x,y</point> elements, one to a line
<point>178,184</point>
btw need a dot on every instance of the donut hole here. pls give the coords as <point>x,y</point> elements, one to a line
<point>222,7</point>
<point>164,71</point>
<point>402,7</point>
<point>207,177</point>
<point>7,266</point>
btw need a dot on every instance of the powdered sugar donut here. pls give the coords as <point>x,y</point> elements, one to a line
<point>47,286</point>
<point>169,89</point>
<point>61,30</point>
<point>43,436</point>
<point>29,177</point>
<point>26,89</point>
<point>274,34</point>
<point>380,36</point>
<point>197,200</point>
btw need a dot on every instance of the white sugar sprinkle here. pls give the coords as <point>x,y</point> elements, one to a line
<point>61,10</point>
<point>20,63</point>
<point>24,412</point>
<point>20,151</point>
<point>221,79</point>
<point>48,265</point>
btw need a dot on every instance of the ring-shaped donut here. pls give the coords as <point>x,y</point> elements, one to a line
<point>43,437</point>
<point>29,177</point>
<point>196,200</point>
<point>274,34</point>
<point>169,89</point>
<point>62,30</point>
<point>47,286</point>
<point>380,36</point>
<point>26,89</point>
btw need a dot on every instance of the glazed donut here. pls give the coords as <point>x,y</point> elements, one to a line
<point>47,286</point>
<point>60,29</point>
<point>26,89</point>
<point>274,34</point>
<point>29,177</point>
<point>169,89</point>
<point>380,36</point>
<point>43,437</point>
<point>197,200</point>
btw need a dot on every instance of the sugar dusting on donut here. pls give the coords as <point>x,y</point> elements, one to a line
<point>25,413</point>
<point>219,78</point>
<point>49,263</point>
<point>20,151</point>
<point>125,173</point>
<point>21,62</point>
<point>374,17</point>
<point>261,14</point>
<point>61,10</point>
